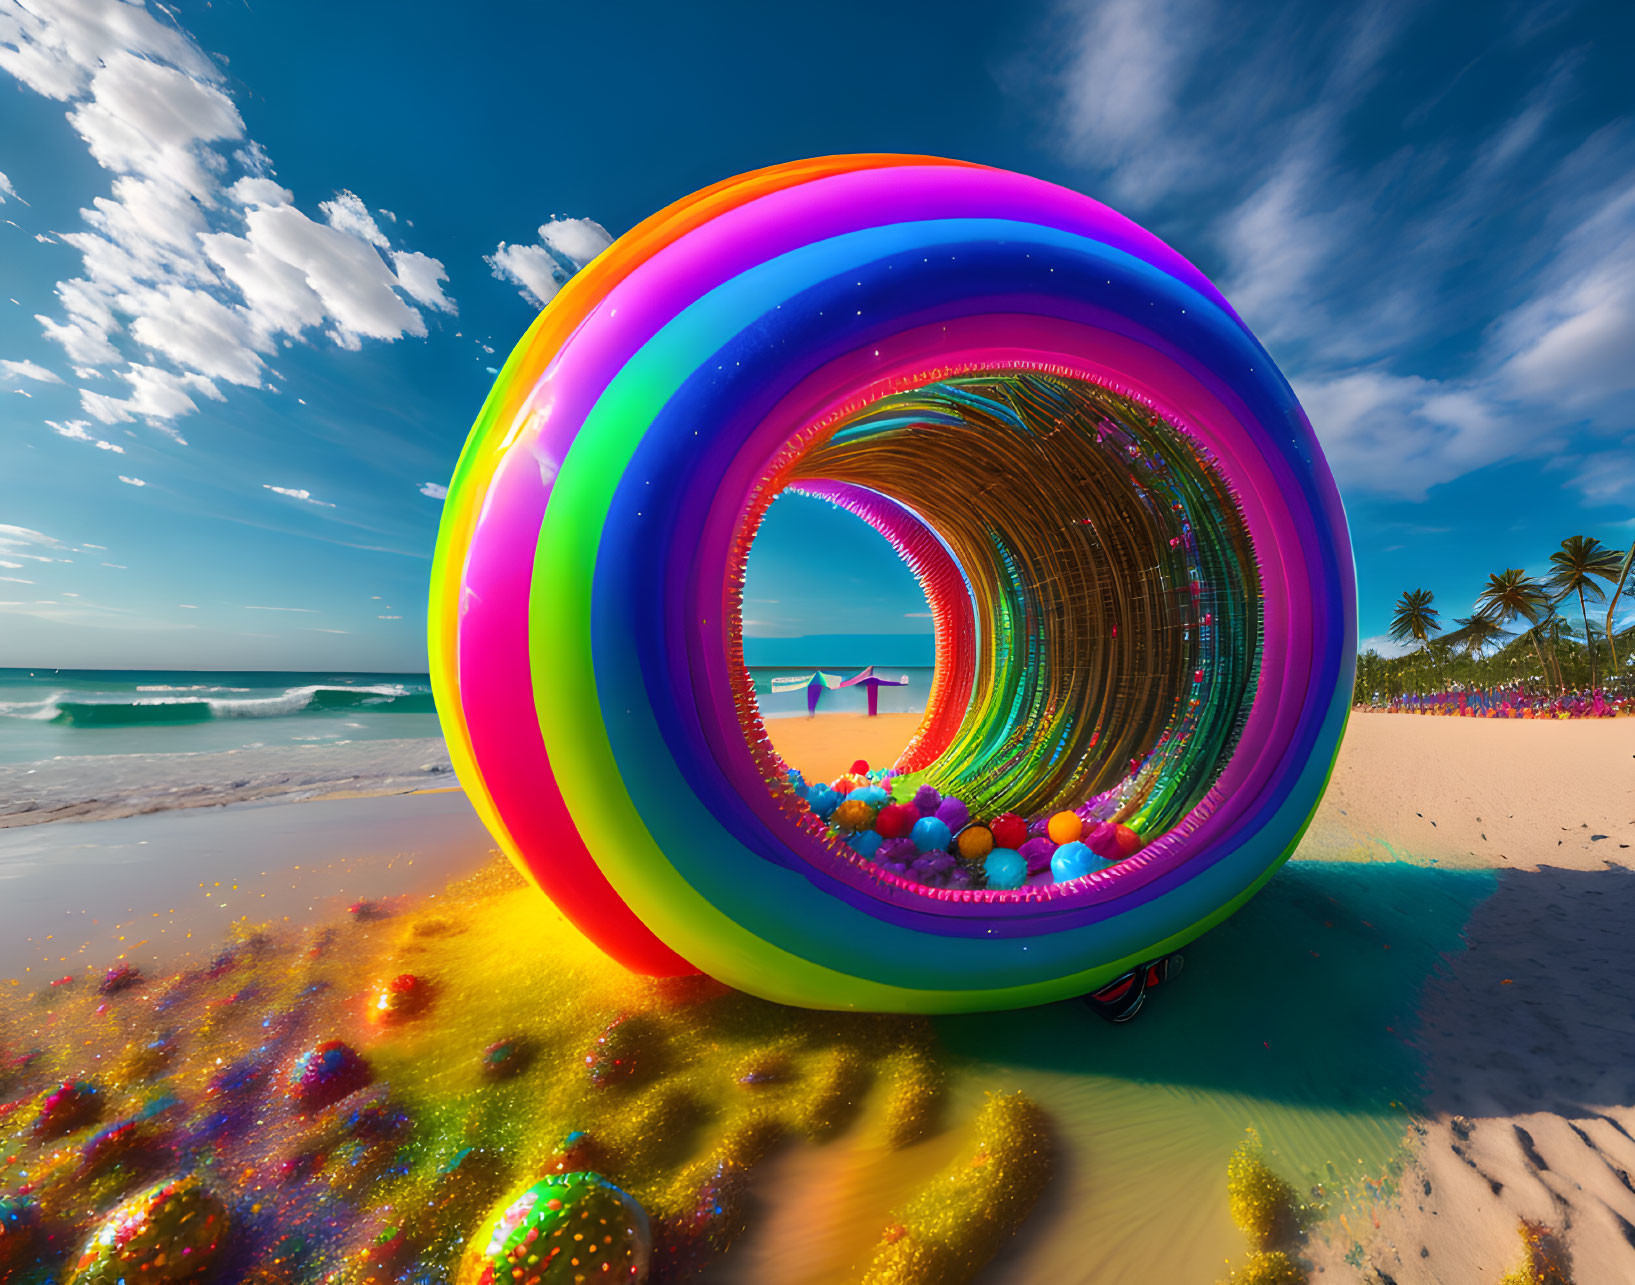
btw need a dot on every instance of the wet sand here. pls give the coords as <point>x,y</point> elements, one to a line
<point>153,889</point>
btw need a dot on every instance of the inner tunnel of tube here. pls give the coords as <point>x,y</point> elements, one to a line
<point>1096,610</point>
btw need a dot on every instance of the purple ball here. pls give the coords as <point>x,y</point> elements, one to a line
<point>927,800</point>
<point>897,851</point>
<point>1037,853</point>
<point>953,814</point>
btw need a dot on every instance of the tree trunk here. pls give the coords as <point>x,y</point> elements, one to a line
<point>1617,592</point>
<point>1589,640</point>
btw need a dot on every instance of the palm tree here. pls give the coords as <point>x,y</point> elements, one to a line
<point>1515,595</point>
<point>1618,589</point>
<point>1579,561</point>
<point>1475,634</point>
<point>1414,617</point>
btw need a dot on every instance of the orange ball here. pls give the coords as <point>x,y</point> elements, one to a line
<point>974,842</point>
<point>853,814</point>
<point>1065,827</point>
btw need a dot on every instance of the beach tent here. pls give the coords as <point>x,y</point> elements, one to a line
<point>815,684</point>
<point>874,682</point>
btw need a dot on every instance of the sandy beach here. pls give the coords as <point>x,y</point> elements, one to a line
<point>1428,1017</point>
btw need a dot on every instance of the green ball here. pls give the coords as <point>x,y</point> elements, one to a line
<point>569,1227</point>
<point>169,1233</point>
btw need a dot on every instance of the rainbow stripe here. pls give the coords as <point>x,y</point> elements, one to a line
<point>596,524</point>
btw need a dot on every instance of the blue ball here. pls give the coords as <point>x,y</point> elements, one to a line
<point>1005,868</point>
<point>873,795</point>
<point>930,835</point>
<point>1072,860</point>
<point>866,842</point>
<point>823,800</point>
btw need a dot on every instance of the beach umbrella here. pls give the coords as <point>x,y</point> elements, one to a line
<point>815,684</point>
<point>866,677</point>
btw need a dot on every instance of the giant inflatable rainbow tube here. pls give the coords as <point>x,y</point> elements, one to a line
<point>1134,554</point>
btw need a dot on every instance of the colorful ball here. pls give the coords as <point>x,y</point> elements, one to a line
<point>1005,868</point>
<point>1073,861</point>
<point>974,842</point>
<point>1037,853</point>
<point>930,834</point>
<point>853,814</point>
<point>823,800</point>
<point>173,1231</point>
<point>1064,827</point>
<point>866,842</point>
<point>953,813</point>
<point>570,1228</point>
<point>1009,830</point>
<point>860,767</point>
<point>405,996</point>
<point>927,799</point>
<point>1127,840</point>
<point>71,1105</point>
<point>1103,840</point>
<point>327,1073</point>
<point>896,819</point>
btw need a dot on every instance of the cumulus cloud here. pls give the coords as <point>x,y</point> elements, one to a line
<point>13,371</point>
<point>435,490</point>
<point>303,495</point>
<point>540,270</point>
<point>197,263</point>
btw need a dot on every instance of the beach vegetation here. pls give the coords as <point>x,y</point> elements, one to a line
<point>1545,1260</point>
<point>1575,568</point>
<point>1268,1267</point>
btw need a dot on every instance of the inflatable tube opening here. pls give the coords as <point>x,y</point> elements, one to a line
<point>1096,604</point>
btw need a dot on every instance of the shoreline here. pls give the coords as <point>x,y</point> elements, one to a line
<point>102,787</point>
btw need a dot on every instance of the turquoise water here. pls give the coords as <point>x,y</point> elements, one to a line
<point>47,713</point>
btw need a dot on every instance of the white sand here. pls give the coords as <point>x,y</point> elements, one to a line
<point>1529,1034</point>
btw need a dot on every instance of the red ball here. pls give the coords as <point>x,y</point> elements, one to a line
<point>1009,831</point>
<point>896,820</point>
<point>1129,842</point>
<point>861,767</point>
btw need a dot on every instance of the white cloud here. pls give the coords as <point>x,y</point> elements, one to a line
<point>305,611</point>
<point>157,396</point>
<point>1384,645</point>
<point>422,276</point>
<point>15,580</point>
<point>131,481</point>
<point>7,190</point>
<point>28,544</point>
<point>11,371</point>
<point>78,430</point>
<point>435,490</point>
<point>348,214</point>
<point>294,494</point>
<point>539,271</point>
<point>197,263</point>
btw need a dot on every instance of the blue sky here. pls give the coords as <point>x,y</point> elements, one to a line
<point>262,262</point>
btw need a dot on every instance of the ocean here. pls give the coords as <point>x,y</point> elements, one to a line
<point>54,713</point>
<point>51,713</point>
